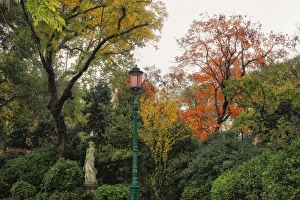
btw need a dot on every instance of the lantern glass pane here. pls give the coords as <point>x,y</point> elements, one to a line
<point>133,80</point>
<point>139,80</point>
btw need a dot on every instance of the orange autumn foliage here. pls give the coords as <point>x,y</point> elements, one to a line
<point>149,89</point>
<point>222,48</point>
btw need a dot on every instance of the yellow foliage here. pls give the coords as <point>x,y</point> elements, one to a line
<point>70,3</point>
<point>123,24</point>
<point>160,127</point>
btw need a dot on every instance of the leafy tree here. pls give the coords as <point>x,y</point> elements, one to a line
<point>159,118</point>
<point>163,182</point>
<point>93,34</point>
<point>45,12</point>
<point>223,48</point>
<point>22,90</point>
<point>98,110</point>
<point>114,157</point>
<point>270,103</point>
<point>161,131</point>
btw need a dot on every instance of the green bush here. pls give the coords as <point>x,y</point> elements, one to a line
<point>63,181</point>
<point>22,190</point>
<point>281,178</point>
<point>191,193</point>
<point>112,192</point>
<point>242,182</point>
<point>271,175</point>
<point>30,168</point>
<point>65,175</point>
<point>60,195</point>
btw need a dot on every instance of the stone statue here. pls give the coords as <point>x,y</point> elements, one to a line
<point>89,169</point>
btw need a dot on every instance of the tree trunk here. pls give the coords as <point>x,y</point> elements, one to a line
<point>60,126</point>
<point>61,136</point>
<point>55,107</point>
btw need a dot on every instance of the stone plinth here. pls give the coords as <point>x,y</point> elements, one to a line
<point>90,188</point>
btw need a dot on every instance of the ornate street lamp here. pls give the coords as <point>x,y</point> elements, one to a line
<point>135,84</point>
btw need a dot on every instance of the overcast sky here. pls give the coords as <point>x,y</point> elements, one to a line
<point>274,15</point>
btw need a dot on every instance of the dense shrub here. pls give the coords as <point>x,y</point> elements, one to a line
<point>77,194</point>
<point>64,180</point>
<point>30,168</point>
<point>22,190</point>
<point>64,175</point>
<point>281,177</point>
<point>271,175</point>
<point>112,192</point>
<point>242,182</point>
<point>220,152</point>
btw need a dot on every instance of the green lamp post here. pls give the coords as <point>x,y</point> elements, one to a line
<point>135,84</point>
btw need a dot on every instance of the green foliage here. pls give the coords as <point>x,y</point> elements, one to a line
<point>22,100</point>
<point>98,106</point>
<point>114,159</point>
<point>64,180</point>
<point>30,168</point>
<point>270,102</point>
<point>281,177</point>
<point>220,152</point>
<point>112,192</point>
<point>242,182</point>
<point>23,91</point>
<point>22,190</point>
<point>163,184</point>
<point>65,175</point>
<point>271,175</point>
<point>77,194</point>
<point>46,12</point>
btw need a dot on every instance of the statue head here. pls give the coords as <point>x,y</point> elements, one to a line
<point>91,144</point>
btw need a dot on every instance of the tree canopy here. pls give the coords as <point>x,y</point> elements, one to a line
<point>100,34</point>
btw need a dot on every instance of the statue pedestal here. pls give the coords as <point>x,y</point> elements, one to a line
<point>90,188</point>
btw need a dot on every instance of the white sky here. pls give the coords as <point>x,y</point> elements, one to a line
<point>274,15</point>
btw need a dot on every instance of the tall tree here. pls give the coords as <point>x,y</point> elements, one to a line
<point>97,34</point>
<point>115,156</point>
<point>22,84</point>
<point>161,131</point>
<point>223,48</point>
<point>98,108</point>
<point>159,118</point>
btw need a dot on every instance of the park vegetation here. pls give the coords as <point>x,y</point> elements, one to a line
<point>227,130</point>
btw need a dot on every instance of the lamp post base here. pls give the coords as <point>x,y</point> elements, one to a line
<point>134,192</point>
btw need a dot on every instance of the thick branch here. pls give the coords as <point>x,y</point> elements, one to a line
<point>68,90</point>
<point>86,11</point>
<point>122,17</point>
<point>34,35</point>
